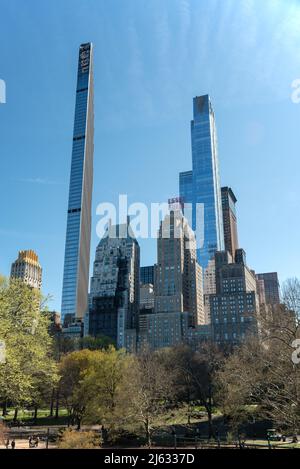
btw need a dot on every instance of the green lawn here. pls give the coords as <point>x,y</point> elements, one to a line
<point>274,444</point>
<point>174,417</point>
<point>43,417</point>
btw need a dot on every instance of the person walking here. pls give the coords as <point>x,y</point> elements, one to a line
<point>13,444</point>
<point>7,443</point>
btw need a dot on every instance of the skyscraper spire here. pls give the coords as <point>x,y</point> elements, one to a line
<point>78,236</point>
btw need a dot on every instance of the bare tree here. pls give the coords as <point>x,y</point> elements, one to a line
<point>262,371</point>
<point>148,389</point>
<point>195,376</point>
<point>291,296</point>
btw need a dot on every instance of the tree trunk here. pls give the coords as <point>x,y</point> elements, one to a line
<point>69,418</point>
<point>52,403</point>
<point>57,405</point>
<point>209,413</point>
<point>4,411</point>
<point>189,409</point>
<point>210,425</point>
<point>35,413</point>
<point>148,434</point>
<point>16,414</point>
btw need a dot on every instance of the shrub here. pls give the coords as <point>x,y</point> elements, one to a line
<point>72,439</point>
<point>3,433</point>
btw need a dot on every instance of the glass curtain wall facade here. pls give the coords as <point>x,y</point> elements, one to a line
<point>186,186</point>
<point>202,184</point>
<point>147,274</point>
<point>78,235</point>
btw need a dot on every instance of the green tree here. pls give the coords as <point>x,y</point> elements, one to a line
<point>102,383</point>
<point>28,359</point>
<point>90,386</point>
<point>73,366</point>
<point>64,345</point>
<point>95,343</point>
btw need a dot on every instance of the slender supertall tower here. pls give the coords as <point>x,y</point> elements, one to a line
<point>78,237</point>
<point>201,186</point>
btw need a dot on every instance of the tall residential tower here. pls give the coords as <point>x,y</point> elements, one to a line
<point>78,236</point>
<point>201,186</point>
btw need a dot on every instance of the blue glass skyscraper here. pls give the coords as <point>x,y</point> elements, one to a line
<point>202,184</point>
<point>78,236</point>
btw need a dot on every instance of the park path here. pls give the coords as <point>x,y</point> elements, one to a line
<point>23,444</point>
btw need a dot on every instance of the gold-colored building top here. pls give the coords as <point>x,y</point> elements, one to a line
<point>29,256</point>
<point>27,268</point>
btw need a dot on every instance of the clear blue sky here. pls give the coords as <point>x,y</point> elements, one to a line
<point>151,58</point>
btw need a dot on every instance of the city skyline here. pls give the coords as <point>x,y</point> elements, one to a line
<point>46,182</point>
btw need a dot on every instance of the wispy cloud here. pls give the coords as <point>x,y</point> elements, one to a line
<point>185,24</point>
<point>10,233</point>
<point>163,33</point>
<point>137,71</point>
<point>263,40</point>
<point>40,181</point>
<point>25,235</point>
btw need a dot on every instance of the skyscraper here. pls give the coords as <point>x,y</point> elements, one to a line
<point>115,286</point>
<point>178,275</point>
<point>27,268</point>
<point>178,294</point>
<point>78,235</point>
<point>229,220</point>
<point>234,307</point>
<point>202,185</point>
<point>271,287</point>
